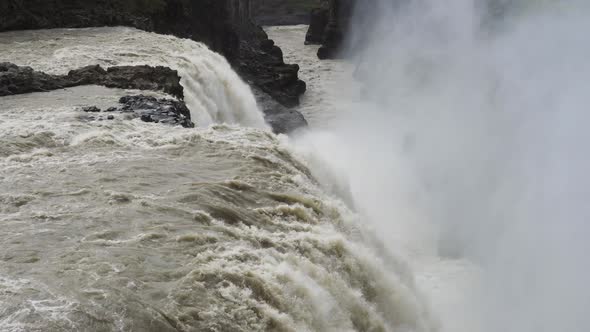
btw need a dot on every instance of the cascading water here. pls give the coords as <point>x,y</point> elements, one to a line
<point>213,91</point>
<point>467,162</point>
<point>468,155</point>
<point>129,226</point>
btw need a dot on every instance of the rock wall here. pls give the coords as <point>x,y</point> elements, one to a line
<point>352,22</point>
<point>318,22</point>
<point>339,17</point>
<point>18,80</point>
<point>283,12</point>
<point>226,26</point>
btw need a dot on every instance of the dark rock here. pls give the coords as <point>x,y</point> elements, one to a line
<point>346,15</point>
<point>278,83</point>
<point>91,109</point>
<point>339,16</point>
<point>130,77</point>
<point>267,45</point>
<point>226,26</point>
<point>146,118</point>
<point>317,26</point>
<point>17,80</point>
<point>151,109</point>
<point>281,119</point>
<point>282,12</point>
<point>285,121</point>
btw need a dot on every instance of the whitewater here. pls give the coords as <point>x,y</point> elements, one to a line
<point>441,186</point>
<point>351,150</point>
<point>465,153</point>
<point>129,226</point>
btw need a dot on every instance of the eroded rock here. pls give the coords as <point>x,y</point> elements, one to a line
<point>282,120</point>
<point>18,79</point>
<point>227,27</point>
<point>339,16</point>
<point>317,26</point>
<point>148,109</point>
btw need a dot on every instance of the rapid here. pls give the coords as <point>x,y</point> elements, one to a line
<point>124,225</point>
<point>466,154</point>
<point>441,185</point>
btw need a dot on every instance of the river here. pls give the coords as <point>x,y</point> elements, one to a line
<point>123,225</point>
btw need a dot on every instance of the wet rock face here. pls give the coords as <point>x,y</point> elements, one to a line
<point>281,119</point>
<point>317,26</point>
<point>333,33</point>
<point>226,26</point>
<point>130,77</point>
<point>283,12</point>
<point>271,75</point>
<point>18,80</point>
<point>148,109</point>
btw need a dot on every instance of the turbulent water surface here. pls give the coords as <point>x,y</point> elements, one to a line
<point>367,147</point>
<point>129,226</point>
<point>467,152</point>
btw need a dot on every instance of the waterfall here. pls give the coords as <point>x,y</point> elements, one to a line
<point>213,91</point>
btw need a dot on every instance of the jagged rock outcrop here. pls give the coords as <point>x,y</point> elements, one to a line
<point>226,26</point>
<point>18,80</point>
<point>283,12</point>
<point>340,14</point>
<point>147,109</point>
<point>282,120</point>
<point>269,74</point>
<point>317,26</point>
<point>330,25</point>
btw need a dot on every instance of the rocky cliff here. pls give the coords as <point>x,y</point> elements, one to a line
<point>283,12</point>
<point>226,26</point>
<point>339,17</point>
<point>318,21</point>
<point>329,26</point>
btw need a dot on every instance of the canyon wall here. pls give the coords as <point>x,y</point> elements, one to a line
<point>226,26</point>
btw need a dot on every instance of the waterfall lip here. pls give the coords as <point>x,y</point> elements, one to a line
<point>227,27</point>
<point>183,68</point>
<point>141,227</point>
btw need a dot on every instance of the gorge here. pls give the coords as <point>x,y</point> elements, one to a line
<point>219,165</point>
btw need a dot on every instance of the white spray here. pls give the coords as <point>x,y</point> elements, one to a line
<point>471,155</point>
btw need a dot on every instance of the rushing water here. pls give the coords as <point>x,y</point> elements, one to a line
<point>130,226</point>
<point>468,155</point>
<point>353,142</point>
<point>213,91</point>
